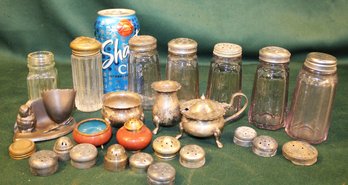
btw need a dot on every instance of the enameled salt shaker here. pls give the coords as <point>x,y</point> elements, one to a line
<point>270,91</point>
<point>311,107</point>
<point>225,74</point>
<point>87,76</point>
<point>42,73</point>
<point>182,66</point>
<point>143,68</point>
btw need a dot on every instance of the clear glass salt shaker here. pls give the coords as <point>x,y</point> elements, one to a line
<point>42,73</point>
<point>270,90</point>
<point>310,113</point>
<point>182,66</point>
<point>225,74</point>
<point>143,68</point>
<point>87,76</point>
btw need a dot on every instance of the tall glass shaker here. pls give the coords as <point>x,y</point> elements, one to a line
<point>225,75</point>
<point>182,66</point>
<point>86,68</point>
<point>311,107</point>
<point>42,73</point>
<point>270,91</point>
<point>143,68</point>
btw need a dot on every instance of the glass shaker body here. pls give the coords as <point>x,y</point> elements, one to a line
<point>225,75</point>
<point>270,90</point>
<point>42,73</point>
<point>182,66</point>
<point>310,113</point>
<point>86,68</point>
<point>143,68</point>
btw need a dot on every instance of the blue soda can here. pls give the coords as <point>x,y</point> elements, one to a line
<point>114,28</point>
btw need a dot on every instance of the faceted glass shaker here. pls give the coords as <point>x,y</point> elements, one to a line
<point>225,74</point>
<point>310,113</point>
<point>270,90</point>
<point>87,76</point>
<point>182,66</point>
<point>42,73</point>
<point>143,68</point>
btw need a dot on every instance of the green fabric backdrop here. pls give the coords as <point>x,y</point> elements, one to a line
<point>300,26</point>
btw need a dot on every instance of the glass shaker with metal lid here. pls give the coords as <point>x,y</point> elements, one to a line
<point>86,68</point>
<point>182,66</point>
<point>225,75</point>
<point>310,113</point>
<point>270,91</point>
<point>143,68</point>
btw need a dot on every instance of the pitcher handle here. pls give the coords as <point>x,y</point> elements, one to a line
<point>235,115</point>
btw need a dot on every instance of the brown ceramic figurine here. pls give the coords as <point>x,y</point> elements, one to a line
<point>203,117</point>
<point>26,119</point>
<point>166,109</point>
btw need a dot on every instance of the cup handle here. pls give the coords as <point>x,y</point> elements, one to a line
<point>237,114</point>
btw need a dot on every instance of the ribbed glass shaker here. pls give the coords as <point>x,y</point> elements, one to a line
<point>182,66</point>
<point>42,73</point>
<point>225,74</point>
<point>270,90</point>
<point>309,117</point>
<point>87,76</point>
<point>143,68</point>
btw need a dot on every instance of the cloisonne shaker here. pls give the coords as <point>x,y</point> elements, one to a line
<point>270,91</point>
<point>143,68</point>
<point>310,113</point>
<point>225,74</point>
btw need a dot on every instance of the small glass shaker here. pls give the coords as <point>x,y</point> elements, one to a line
<point>270,91</point>
<point>310,113</point>
<point>87,76</point>
<point>42,73</point>
<point>182,66</point>
<point>143,68</point>
<point>225,75</point>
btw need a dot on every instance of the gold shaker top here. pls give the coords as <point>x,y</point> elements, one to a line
<point>85,46</point>
<point>133,124</point>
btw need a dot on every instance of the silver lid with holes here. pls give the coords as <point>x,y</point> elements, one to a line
<point>182,46</point>
<point>43,163</point>
<point>264,146</point>
<point>243,136</point>
<point>192,156</point>
<point>300,153</point>
<point>142,43</point>
<point>227,50</point>
<point>161,173</point>
<point>166,147</point>
<point>321,62</point>
<point>115,158</point>
<point>83,155</point>
<point>62,147</point>
<point>274,54</point>
<point>140,161</point>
